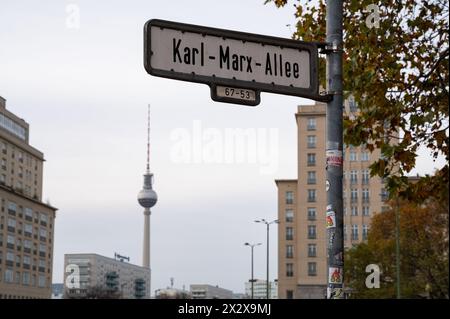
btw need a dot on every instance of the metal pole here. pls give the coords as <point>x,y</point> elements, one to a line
<point>252,270</point>
<point>267,283</point>
<point>334,146</point>
<point>397,247</point>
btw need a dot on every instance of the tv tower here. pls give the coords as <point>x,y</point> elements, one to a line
<point>147,198</point>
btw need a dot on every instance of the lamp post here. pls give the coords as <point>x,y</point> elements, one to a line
<point>267,227</point>
<point>252,246</point>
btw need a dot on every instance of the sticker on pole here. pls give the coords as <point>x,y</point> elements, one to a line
<point>334,158</point>
<point>331,219</point>
<point>335,293</point>
<point>335,275</point>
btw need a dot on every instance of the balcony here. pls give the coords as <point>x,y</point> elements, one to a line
<point>354,199</point>
<point>311,163</point>
<point>312,236</point>
<point>311,181</point>
<point>311,217</point>
<point>311,145</point>
<point>365,200</point>
<point>365,181</point>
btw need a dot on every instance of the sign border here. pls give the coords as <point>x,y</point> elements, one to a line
<point>312,47</point>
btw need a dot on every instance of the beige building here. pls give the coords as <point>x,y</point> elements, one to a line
<point>26,223</point>
<point>302,205</point>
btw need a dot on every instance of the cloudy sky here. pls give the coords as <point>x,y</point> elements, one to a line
<point>81,85</point>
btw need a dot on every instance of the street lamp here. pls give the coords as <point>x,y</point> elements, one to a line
<point>267,226</point>
<point>252,246</point>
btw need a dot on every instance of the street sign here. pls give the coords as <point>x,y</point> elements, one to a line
<point>231,62</point>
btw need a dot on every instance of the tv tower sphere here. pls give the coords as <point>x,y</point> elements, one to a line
<point>147,197</point>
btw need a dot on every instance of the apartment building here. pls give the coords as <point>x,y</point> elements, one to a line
<point>302,259</point>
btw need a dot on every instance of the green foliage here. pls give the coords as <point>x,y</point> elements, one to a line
<point>423,252</point>
<point>398,74</point>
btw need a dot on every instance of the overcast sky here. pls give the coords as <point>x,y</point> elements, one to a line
<point>84,91</point>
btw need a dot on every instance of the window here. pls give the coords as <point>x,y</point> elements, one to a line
<point>28,213</point>
<point>311,195</point>
<point>311,213</point>
<point>354,211</point>
<point>353,106</point>
<point>312,251</point>
<point>28,228</point>
<point>41,282</point>
<point>384,195</point>
<point>12,127</point>
<point>345,211</point>
<point>311,141</point>
<point>354,232</point>
<point>12,206</point>
<point>311,159</point>
<point>311,177</point>
<point>43,232</point>
<point>345,232</point>
<point>2,178</point>
<point>353,156</point>
<point>11,240</point>
<point>9,256</point>
<point>289,251</point>
<point>27,243</point>
<point>42,248</point>
<point>42,263</point>
<point>289,198</point>
<point>353,177</point>
<point>311,124</point>
<point>365,231</point>
<point>18,277</point>
<point>365,211</point>
<point>44,218</point>
<point>11,222</point>
<point>354,195</point>
<point>289,233</point>
<point>365,176</point>
<point>311,232</point>
<point>289,294</point>
<point>365,156</point>
<point>365,195</point>
<point>312,269</point>
<point>26,278</point>
<point>289,215</point>
<point>289,270</point>
<point>9,275</point>
<point>26,260</point>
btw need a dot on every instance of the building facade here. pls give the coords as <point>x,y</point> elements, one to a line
<point>259,289</point>
<point>302,258</point>
<point>26,223</point>
<point>87,272</point>
<point>210,292</point>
